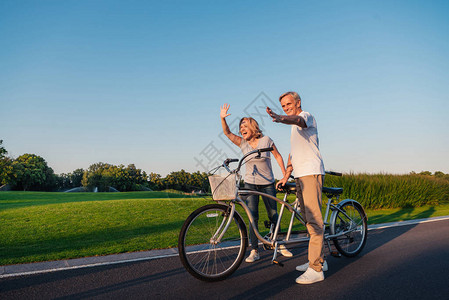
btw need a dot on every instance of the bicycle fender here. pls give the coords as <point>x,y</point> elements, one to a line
<point>341,203</point>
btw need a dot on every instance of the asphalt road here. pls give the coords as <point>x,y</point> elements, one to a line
<point>407,262</point>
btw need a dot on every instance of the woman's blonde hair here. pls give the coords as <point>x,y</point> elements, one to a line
<point>252,125</point>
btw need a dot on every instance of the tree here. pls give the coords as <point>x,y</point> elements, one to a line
<point>93,177</point>
<point>103,176</point>
<point>71,180</point>
<point>3,151</point>
<point>63,181</point>
<point>177,180</point>
<point>155,181</point>
<point>184,181</point>
<point>425,173</point>
<point>199,181</point>
<point>76,177</point>
<point>5,166</point>
<point>31,173</point>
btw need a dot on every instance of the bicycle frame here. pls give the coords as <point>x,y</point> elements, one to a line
<point>293,208</point>
<point>215,257</point>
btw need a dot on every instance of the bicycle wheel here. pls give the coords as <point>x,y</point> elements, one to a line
<point>349,219</point>
<point>201,256</point>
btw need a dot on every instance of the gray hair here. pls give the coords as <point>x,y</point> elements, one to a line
<point>293,94</point>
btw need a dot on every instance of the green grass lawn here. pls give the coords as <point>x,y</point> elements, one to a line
<point>50,226</point>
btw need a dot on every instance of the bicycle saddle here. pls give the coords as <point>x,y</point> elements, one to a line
<point>332,191</point>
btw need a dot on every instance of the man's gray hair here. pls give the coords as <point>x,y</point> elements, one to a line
<point>293,94</point>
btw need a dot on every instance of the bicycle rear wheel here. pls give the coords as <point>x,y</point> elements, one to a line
<point>350,219</point>
<point>200,254</point>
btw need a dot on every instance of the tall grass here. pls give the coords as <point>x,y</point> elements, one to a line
<point>392,191</point>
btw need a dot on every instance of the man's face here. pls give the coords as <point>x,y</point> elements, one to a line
<point>290,106</point>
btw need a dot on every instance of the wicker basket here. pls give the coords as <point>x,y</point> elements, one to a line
<point>223,187</point>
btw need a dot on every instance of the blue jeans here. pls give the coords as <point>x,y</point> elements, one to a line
<point>253,204</point>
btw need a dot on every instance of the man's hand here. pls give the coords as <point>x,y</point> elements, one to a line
<point>276,118</point>
<point>224,111</point>
<point>281,183</point>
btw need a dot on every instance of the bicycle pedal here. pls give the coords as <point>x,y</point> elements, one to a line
<point>335,254</point>
<point>278,263</point>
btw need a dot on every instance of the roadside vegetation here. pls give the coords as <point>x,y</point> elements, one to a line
<point>39,226</point>
<point>377,191</point>
<point>30,172</point>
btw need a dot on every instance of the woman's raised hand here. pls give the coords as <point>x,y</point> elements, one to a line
<point>224,111</point>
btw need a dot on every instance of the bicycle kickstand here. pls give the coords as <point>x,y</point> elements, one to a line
<point>274,261</point>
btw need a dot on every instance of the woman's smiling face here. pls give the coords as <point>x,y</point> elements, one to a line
<point>245,131</point>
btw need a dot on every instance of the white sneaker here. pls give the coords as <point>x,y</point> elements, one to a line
<point>284,251</point>
<point>310,276</point>
<point>253,256</point>
<point>304,267</point>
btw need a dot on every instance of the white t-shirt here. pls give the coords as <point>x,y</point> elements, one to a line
<point>258,170</point>
<point>305,153</point>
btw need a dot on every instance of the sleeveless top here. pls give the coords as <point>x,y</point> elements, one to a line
<point>258,170</point>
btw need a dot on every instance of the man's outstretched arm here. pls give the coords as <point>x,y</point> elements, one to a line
<point>284,119</point>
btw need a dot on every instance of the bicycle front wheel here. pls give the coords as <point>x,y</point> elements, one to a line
<point>201,253</point>
<point>349,220</point>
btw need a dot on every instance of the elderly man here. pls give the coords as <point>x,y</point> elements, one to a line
<point>306,162</point>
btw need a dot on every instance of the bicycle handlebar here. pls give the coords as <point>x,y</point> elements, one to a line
<point>230,160</point>
<point>259,151</point>
<point>334,173</point>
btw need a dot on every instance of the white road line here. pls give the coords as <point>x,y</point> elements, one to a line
<point>404,223</point>
<point>86,266</point>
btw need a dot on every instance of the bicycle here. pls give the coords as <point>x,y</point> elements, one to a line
<point>213,239</point>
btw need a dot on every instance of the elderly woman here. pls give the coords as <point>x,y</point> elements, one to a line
<point>259,173</point>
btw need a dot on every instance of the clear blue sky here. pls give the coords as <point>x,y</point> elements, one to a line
<point>142,82</point>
